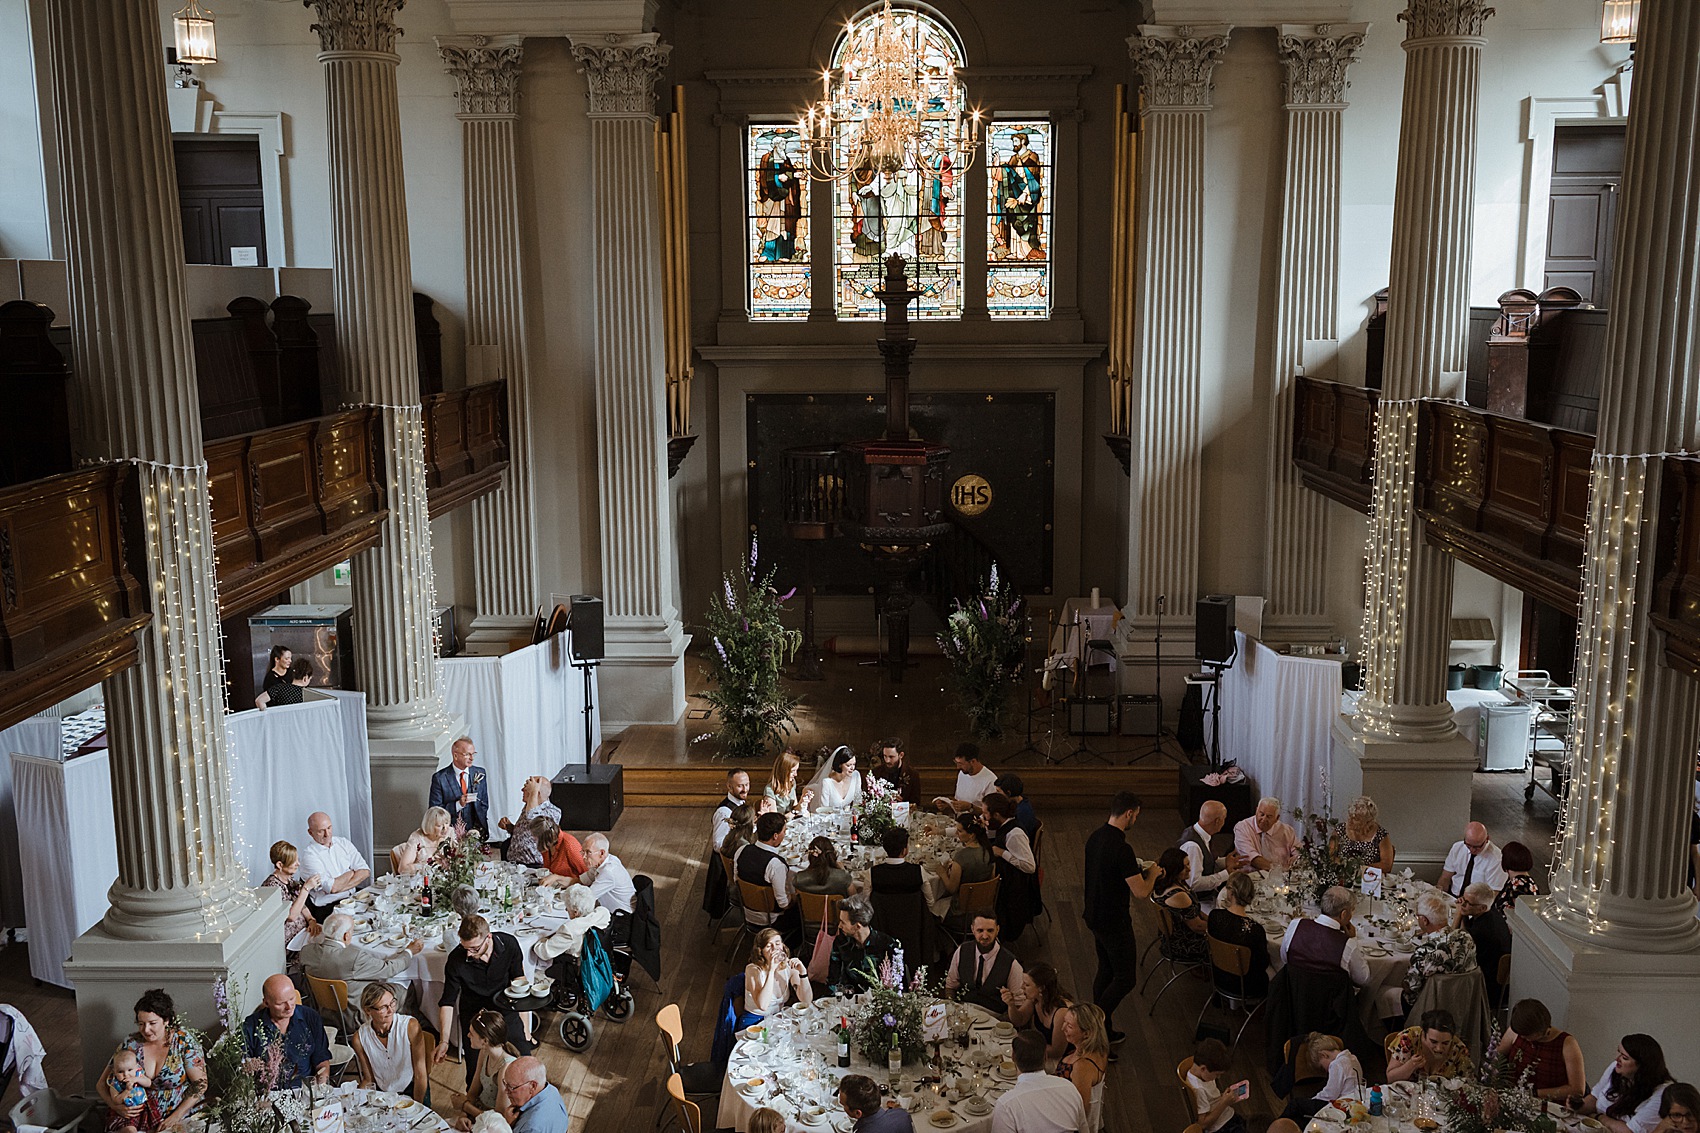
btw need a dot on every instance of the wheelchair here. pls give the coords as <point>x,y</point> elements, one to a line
<point>575,1006</point>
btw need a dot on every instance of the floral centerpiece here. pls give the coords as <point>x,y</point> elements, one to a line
<point>892,1010</point>
<point>984,642</point>
<point>1497,1098</point>
<point>750,647</point>
<point>455,864</point>
<point>238,1090</point>
<point>1319,862</point>
<point>874,814</point>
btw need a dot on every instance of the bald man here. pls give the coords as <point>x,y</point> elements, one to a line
<point>339,865</point>
<point>1208,871</point>
<point>1472,858</point>
<point>538,1107</point>
<point>294,1028</point>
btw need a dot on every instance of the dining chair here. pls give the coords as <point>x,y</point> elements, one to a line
<point>1187,1100</point>
<point>1234,962</point>
<point>687,1111</point>
<point>697,1079</point>
<point>331,998</point>
<point>756,899</point>
<point>1039,871</point>
<point>975,897</point>
<point>818,909</point>
<point>1177,968</point>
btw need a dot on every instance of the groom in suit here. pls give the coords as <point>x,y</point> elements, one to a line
<point>461,789</point>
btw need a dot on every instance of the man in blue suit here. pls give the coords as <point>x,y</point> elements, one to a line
<point>462,790</point>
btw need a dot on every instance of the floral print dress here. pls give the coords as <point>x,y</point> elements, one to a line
<point>171,1080</point>
<point>1455,1064</point>
<point>1449,950</point>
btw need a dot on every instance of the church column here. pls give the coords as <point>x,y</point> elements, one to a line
<point>1306,310</point>
<point>643,675</point>
<point>1618,939</point>
<point>1411,758</point>
<point>394,582</point>
<point>1175,65</point>
<point>486,71</point>
<point>181,911</point>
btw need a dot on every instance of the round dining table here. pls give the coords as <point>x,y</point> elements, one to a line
<point>789,1062</point>
<point>350,1109</point>
<point>1415,1107</point>
<point>932,842</point>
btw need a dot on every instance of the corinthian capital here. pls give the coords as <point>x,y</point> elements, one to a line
<point>356,25</point>
<point>1432,19</point>
<point>1316,57</point>
<point>1176,63</point>
<point>622,70</point>
<point>486,71</point>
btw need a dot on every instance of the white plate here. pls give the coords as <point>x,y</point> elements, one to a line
<point>942,1119</point>
<point>369,938</point>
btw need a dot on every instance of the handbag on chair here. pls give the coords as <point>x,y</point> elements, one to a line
<point>820,960</point>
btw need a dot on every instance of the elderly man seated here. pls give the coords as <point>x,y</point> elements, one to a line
<point>1441,948</point>
<point>1197,843</point>
<point>1472,858</point>
<point>537,1106</point>
<point>333,955</point>
<point>606,875</point>
<point>340,868</point>
<point>1263,841</point>
<point>1487,927</point>
<point>296,1030</point>
<point>1329,941</point>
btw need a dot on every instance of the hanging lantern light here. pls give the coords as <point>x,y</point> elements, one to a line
<point>196,42</point>
<point>1619,20</point>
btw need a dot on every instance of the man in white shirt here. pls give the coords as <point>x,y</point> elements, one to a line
<point>986,972</point>
<point>1472,858</point>
<point>339,865</point>
<point>737,793</point>
<point>1327,941</point>
<point>1208,871</point>
<point>1038,1102</point>
<point>760,863</point>
<point>974,780</point>
<point>607,876</point>
<point>1263,841</point>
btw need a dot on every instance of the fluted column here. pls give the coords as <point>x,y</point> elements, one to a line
<point>1306,310</point>
<point>1175,65</point>
<point>486,71</point>
<point>180,889</point>
<point>394,582</point>
<point>1619,876</point>
<point>643,675</point>
<point>1409,594</point>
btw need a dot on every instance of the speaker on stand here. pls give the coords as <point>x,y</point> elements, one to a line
<point>585,645</point>
<point>1217,648</point>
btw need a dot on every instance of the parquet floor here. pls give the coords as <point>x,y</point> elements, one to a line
<point>613,1086</point>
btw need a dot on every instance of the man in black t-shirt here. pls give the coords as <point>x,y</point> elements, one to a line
<point>1113,873</point>
<point>478,970</point>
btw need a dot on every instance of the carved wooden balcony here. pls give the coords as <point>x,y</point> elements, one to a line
<point>1676,594</point>
<point>72,590</point>
<point>292,501</point>
<point>466,444</point>
<point>1507,496</point>
<point>1334,439</point>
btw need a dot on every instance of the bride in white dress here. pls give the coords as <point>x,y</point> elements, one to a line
<point>838,785</point>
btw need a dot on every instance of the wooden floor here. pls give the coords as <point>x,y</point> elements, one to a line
<point>613,1086</point>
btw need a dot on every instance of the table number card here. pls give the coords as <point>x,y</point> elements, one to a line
<point>328,1117</point>
<point>935,1024</point>
<point>1372,881</point>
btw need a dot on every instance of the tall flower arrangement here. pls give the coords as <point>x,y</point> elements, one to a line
<point>457,859</point>
<point>873,813</point>
<point>984,642</point>
<point>237,1088</point>
<point>1497,1098</point>
<point>892,1008</point>
<point>751,645</point>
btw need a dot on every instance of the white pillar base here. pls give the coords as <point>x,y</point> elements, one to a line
<point>1599,993</point>
<point>492,635</point>
<point>401,786</point>
<point>1422,789</point>
<point>643,676</point>
<point>111,974</point>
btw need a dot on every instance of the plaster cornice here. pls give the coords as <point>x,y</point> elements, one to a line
<point>552,18</point>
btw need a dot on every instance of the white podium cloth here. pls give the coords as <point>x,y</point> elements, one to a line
<point>1278,719</point>
<point>525,711</point>
<point>68,851</point>
<point>39,735</point>
<point>289,761</point>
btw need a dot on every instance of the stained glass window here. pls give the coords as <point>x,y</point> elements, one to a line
<point>912,208</point>
<point>1018,219</point>
<point>778,231</point>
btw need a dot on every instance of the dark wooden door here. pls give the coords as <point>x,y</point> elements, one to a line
<point>1587,167</point>
<point>219,192</point>
<point>1549,641</point>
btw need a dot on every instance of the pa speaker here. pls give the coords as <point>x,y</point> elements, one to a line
<point>585,624</point>
<point>1213,635</point>
<point>590,798</point>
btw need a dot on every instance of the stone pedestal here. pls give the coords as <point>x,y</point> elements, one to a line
<point>643,674</point>
<point>1307,303</point>
<point>180,888</point>
<point>1176,65</point>
<point>1422,789</point>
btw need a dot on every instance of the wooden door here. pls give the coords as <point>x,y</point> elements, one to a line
<point>1587,168</point>
<point>221,198</point>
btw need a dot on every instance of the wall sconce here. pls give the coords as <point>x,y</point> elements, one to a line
<point>196,42</point>
<point>1619,20</point>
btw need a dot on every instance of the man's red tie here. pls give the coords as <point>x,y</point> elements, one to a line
<point>463,784</point>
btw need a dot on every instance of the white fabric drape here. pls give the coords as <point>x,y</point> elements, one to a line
<point>39,736</point>
<point>1277,721</point>
<point>69,853</point>
<point>289,761</point>
<point>525,711</point>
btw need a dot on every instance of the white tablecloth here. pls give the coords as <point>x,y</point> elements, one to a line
<point>931,843</point>
<point>68,852</point>
<point>797,1068</point>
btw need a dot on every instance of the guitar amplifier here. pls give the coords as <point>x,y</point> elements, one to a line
<point>1089,717</point>
<point>590,798</point>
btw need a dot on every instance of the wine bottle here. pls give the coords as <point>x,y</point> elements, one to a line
<point>854,838</point>
<point>843,1042</point>
<point>894,1057</point>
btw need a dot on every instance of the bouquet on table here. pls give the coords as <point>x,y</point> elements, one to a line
<point>874,814</point>
<point>892,1012</point>
<point>238,1090</point>
<point>1499,1097</point>
<point>456,863</point>
<point>985,643</point>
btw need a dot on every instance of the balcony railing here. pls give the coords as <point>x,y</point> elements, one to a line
<point>1334,439</point>
<point>466,444</point>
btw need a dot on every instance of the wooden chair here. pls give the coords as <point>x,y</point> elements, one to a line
<point>975,897</point>
<point>1387,1042</point>
<point>1181,1071</point>
<point>696,1080</point>
<point>1233,960</point>
<point>331,996</point>
<point>753,898</point>
<point>687,1111</point>
<point>733,901</point>
<point>1177,968</point>
<point>818,909</point>
<point>395,864</point>
<point>1039,871</point>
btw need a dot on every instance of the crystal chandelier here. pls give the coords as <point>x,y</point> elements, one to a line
<point>897,102</point>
